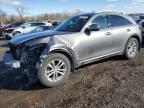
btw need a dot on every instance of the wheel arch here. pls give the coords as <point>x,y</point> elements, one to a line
<point>138,38</point>
<point>68,54</point>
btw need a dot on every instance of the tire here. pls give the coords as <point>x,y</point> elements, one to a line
<point>46,77</point>
<point>8,37</point>
<point>135,47</point>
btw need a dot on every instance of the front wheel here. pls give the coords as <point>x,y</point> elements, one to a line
<point>131,48</point>
<point>54,70</point>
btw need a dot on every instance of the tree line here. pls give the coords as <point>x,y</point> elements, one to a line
<point>21,16</point>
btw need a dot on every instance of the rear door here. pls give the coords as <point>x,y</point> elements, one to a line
<point>120,27</point>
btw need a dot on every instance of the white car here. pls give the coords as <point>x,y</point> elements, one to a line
<point>49,23</point>
<point>28,27</point>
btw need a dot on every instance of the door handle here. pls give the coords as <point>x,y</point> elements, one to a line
<point>108,33</point>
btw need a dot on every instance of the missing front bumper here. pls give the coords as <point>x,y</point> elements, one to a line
<point>10,61</point>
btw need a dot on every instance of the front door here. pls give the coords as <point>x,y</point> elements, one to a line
<point>96,43</point>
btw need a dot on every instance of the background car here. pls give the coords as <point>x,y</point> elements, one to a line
<point>8,31</point>
<point>137,18</point>
<point>9,26</point>
<point>28,27</point>
<point>141,23</point>
<point>37,29</point>
<point>56,23</point>
<point>40,29</point>
<point>49,23</point>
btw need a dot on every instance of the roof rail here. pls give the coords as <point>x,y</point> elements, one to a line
<point>107,11</point>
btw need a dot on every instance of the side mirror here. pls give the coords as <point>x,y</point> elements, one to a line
<point>93,27</point>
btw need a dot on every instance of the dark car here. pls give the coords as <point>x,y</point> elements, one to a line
<point>141,23</point>
<point>9,27</point>
<point>56,23</point>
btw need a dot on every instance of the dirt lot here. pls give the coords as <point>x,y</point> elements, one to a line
<point>110,83</point>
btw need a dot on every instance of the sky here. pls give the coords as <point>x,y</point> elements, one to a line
<point>36,7</point>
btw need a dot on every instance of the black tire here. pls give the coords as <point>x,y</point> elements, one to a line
<point>42,73</point>
<point>8,37</point>
<point>127,55</point>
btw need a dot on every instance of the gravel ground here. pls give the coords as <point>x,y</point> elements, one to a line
<point>110,83</point>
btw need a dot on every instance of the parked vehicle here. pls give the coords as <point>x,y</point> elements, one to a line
<point>49,23</point>
<point>138,18</point>
<point>36,30</point>
<point>77,41</point>
<point>27,27</point>
<point>56,23</point>
<point>40,29</point>
<point>53,23</point>
<point>9,27</point>
<point>141,23</point>
<point>7,33</point>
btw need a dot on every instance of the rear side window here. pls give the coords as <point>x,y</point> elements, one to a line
<point>116,21</point>
<point>101,21</point>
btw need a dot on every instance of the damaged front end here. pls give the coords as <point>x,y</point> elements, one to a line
<point>22,55</point>
<point>25,59</point>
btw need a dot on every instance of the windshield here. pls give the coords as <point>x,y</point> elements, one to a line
<point>74,24</point>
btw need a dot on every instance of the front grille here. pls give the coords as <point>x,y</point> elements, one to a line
<point>16,51</point>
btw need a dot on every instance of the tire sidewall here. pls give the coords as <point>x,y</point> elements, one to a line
<point>126,51</point>
<point>41,72</point>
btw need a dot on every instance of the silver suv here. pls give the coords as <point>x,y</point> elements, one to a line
<point>81,39</point>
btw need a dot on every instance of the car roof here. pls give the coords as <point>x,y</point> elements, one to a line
<point>104,12</point>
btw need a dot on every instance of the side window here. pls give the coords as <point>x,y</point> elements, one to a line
<point>101,21</point>
<point>116,21</point>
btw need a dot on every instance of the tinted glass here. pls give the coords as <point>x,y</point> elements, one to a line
<point>143,24</point>
<point>74,24</point>
<point>115,21</point>
<point>16,24</point>
<point>37,24</point>
<point>101,21</point>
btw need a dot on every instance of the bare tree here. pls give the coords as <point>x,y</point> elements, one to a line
<point>2,14</point>
<point>21,12</point>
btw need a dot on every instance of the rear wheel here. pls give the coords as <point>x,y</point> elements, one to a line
<point>55,70</point>
<point>131,48</point>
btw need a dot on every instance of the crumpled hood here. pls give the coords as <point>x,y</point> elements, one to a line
<point>28,37</point>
